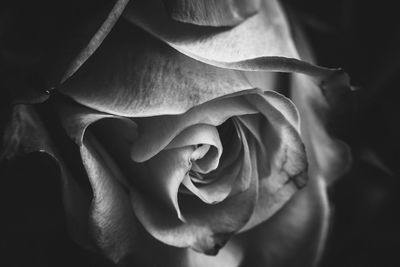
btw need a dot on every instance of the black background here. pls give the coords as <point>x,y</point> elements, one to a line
<point>363,37</point>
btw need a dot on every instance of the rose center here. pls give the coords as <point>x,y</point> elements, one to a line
<point>231,144</point>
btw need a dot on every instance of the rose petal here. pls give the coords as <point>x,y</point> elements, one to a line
<point>115,229</point>
<point>262,35</point>
<point>76,121</point>
<point>166,171</point>
<point>130,78</point>
<point>200,134</point>
<point>261,42</point>
<point>231,255</point>
<point>158,131</point>
<point>225,182</point>
<point>260,129</point>
<point>329,158</point>
<point>286,154</point>
<point>211,13</point>
<point>303,222</point>
<point>231,142</point>
<point>295,235</point>
<point>113,225</point>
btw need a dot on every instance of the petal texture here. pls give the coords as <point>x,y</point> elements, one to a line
<point>134,74</point>
<point>211,13</point>
<point>262,35</point>
<point>260,43</point>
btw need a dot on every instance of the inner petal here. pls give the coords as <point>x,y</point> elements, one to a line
<point>231,178</point>
<point>207,146</point>
<point>266,140</point>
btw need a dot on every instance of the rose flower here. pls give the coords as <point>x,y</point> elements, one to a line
<point>192,140</point>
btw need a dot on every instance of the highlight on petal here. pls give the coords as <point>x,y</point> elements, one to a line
<point>113,225</point>
<point>134,74</point>
<point>212,13</point>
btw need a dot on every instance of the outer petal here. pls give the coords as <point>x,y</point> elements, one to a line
<point>296,235</point>
<point>329,158</point>
<point>145,78</point>
<point>262,35</point>
<point>113,224</point>
<point>261,42</point>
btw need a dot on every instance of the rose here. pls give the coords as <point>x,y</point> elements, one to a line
<point>125,78</point>
<point>166,155</point>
